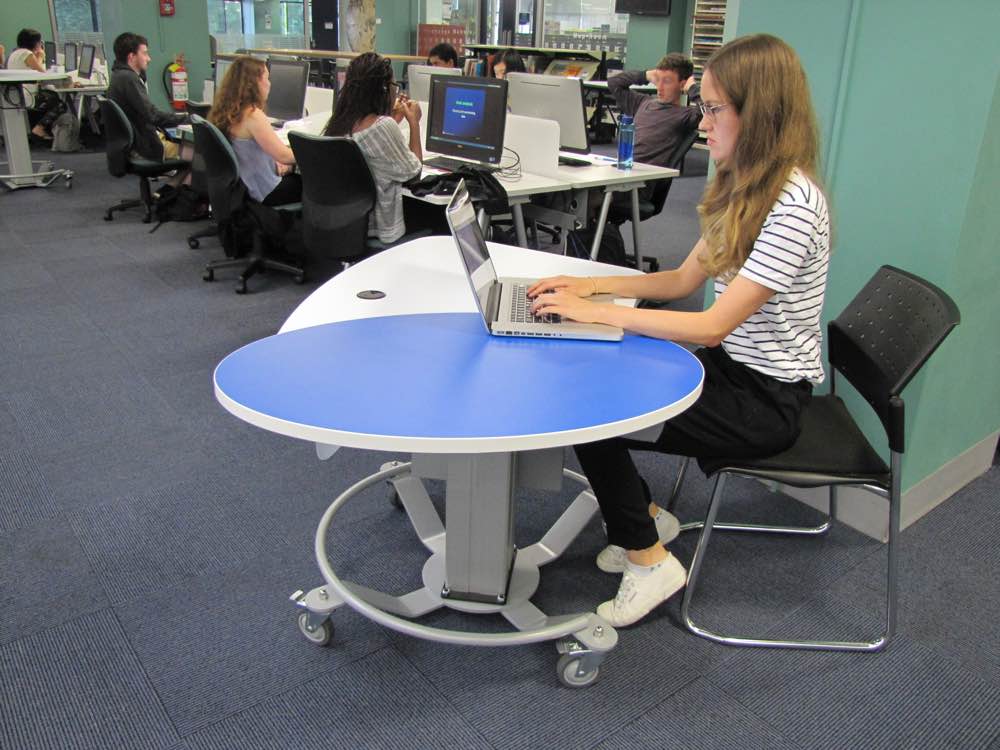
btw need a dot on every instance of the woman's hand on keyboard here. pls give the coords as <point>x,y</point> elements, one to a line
<point>568,306</point>
<point>581,286</point>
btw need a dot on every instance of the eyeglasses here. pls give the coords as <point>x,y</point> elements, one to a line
<point>710,110</point>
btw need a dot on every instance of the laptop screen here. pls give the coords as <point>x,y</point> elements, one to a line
<point>471,246</point>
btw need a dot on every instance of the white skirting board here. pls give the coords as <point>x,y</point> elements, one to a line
<point>869,513</point>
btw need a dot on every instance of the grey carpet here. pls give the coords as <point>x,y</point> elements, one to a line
<point>149,542</point>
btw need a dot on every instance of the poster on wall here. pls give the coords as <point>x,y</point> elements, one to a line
<point>429,34</point>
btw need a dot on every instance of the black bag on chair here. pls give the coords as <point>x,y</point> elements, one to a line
<point>611,250</point>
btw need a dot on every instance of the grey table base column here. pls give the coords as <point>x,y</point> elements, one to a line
<point>22,172</point>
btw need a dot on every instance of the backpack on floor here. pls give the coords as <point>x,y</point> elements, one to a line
<point>179,204</point>
<point>611,250</point>
<point>66,133</point>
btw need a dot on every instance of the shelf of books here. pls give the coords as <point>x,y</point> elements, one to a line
<point>707,24</point>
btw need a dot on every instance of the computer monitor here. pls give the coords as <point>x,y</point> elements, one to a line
<point>419,79</point>
<point>50,55</point>
<point>221,66</point>
<point>289,79</point>
<point>87,52</point>
<point>467,117</point>
<point>552,98</point>
<point>69,56</point>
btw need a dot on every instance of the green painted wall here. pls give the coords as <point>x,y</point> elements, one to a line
<point>186,31</point>
<point>23,14</point>
<point>651,37</point>
<point>396,34</point>
<point>913,174</point>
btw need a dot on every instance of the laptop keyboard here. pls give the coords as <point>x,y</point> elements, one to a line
<point>520,308</point>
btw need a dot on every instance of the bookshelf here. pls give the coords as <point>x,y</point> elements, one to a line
<point>707,24</point>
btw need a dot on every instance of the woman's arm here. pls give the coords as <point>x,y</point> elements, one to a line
<point>258,126</point>
<point>36,60</point>
<point>741,299</point>
<point>662,286</point>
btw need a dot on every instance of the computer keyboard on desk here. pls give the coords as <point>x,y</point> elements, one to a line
<point>453,165</point>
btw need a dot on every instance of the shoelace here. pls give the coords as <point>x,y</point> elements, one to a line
<point>626,590</point>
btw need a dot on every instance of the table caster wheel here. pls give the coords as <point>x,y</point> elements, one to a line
<point>321,635</point>
<point>193,243</point>
<point>300,279</point>
<point>68,183</point>
<point>109,216</point>
<point>209,275</point>
<point>241,286</point>
<point>396,500</point>
<point>567,669</point>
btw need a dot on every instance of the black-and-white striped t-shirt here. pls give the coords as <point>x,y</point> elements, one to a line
<point>790,255</point>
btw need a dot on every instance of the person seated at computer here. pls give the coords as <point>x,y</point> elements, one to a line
<point>238,111</point>
<point>766,243</point>
<point>661,122</point>
<point>45,106</point>
<point>128,90</point>
<point>508,61</point>
<point>369,109</point>
<point>442,55</point>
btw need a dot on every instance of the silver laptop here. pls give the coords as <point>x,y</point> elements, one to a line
<point>503,303</point>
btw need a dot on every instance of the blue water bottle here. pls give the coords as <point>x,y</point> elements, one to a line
<point>626,140</point>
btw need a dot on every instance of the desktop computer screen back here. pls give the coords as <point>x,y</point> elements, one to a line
<point>221,66</point>
<point>467,117</point>
<point>50,55</point>
<point>552,98</point>
<point>419,80</point>
<point>287,99</point>
<point>69,56</point>
<point>87,53</point>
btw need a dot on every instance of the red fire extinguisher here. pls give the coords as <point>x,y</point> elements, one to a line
<point>178,87</point>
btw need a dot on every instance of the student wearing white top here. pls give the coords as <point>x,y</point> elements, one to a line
<point>46,106</point>
<point>765,242</point>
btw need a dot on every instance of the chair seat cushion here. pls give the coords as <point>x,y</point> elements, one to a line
<point>831,449</point>
<point>152,168</point>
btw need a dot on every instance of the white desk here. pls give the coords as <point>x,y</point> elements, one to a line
<point>78,95</point>
<point>14,111</point>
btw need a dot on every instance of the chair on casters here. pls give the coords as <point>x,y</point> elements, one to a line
<point>236,213</point>
<point>650,201</point>
<point>878,343</point>
<point>338,194</point>
<point>199,181</point>
<point>119,146</point>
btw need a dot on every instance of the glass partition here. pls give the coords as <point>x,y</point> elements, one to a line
<point>584,24</point>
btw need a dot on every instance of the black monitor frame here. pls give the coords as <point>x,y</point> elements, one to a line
<point>50,55</point>
<point>70,60</point>
<point>88,53</point>
<point>289,79</point>
<point>490,150</point>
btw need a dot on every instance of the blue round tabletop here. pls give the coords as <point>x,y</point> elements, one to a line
<point>439,383</point>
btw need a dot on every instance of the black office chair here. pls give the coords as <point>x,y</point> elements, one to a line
<point>651,199</point>
<point>119,146</point>
<point>236,213</point>
<point>878,343</point>
<point>338,194</point>
<point>199,181</point>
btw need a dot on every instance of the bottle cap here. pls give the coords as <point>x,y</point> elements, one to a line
<point>625,119</point>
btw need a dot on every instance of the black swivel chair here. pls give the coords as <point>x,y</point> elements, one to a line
<point>651,200</point>
<point>236,213</point>
<point>199,180</point>
<point>878,343</point>
<point>119,146</point>
<point>338,194</point>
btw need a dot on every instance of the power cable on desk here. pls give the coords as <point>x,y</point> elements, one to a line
<point>511,171</point>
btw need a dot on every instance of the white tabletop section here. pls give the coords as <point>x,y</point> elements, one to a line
<point>426,276</point>
<point>29,76</point>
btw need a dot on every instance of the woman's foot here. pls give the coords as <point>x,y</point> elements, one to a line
<point>611,559</point>
<point>643,588</point>
<point>41,132</point>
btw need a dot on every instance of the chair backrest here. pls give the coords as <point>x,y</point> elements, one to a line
<point>338,193</point>
<point>119,138</point>
<point>885,335</point>
<point>222,170</point>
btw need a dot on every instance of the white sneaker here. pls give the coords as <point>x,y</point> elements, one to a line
<point>642,589</point>
<point>612,558</point>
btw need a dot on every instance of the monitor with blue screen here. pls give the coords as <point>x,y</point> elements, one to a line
<point>467,118</point>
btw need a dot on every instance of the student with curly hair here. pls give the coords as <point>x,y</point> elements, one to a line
<point>238,111</point>
<point>369,110</point>
<point>765,243</point>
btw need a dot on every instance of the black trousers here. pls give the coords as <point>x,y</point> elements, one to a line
<point>741,413</point>
<point>289,190</point>
<point>48,106</point>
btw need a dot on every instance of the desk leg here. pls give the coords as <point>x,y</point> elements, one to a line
<point>635,227</point>
<point>19,163</point>
<point>518,214</point>
<point>601,221</point>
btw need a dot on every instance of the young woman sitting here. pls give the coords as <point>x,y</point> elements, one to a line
<point>46,105</point>
<point>369,110</point>
<point>238,111</point>
<point>765,244</point>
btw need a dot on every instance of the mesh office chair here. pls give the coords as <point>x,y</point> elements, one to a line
<point>236,213</point>
<point>119,146</point>
<point>878,343</point>
<point>338,194</point>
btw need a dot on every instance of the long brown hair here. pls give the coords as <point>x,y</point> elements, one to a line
<point>764,81</point>
<point>238,92</point>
